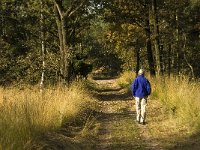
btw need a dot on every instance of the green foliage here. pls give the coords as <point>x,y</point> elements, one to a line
<point>175,33</point>
<point>80,68</point>
<point>21,42</point>
<point>195,2</point>
<point>100,52</point>
<point>109,33</point>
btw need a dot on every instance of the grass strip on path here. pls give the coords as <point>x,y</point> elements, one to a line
<point>117,127</point>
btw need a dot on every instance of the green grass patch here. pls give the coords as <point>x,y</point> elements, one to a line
<point>125,134</point>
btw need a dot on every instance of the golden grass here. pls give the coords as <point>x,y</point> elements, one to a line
<point>172,110</point>
<point>125,79</point>
<point>178,95</point>
<point>181,98</point>
<point>26,113</point>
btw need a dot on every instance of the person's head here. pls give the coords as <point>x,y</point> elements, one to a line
<point>141,72</point>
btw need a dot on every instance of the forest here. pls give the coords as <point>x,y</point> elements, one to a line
<point>53,54</point>
<point>51,41</point>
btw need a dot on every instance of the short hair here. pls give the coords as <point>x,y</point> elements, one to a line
<point>141,72</point>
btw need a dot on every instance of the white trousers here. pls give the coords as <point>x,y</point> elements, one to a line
<point>141,109</point>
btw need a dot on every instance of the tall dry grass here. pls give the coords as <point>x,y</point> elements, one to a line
<point>181,98</point>
<point>126,79</point>
<point>26,113</point>
<point>179,95</point>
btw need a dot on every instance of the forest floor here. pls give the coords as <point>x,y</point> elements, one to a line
<point>118,129</point>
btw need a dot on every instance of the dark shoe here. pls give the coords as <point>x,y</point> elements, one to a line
<point>143,123</point>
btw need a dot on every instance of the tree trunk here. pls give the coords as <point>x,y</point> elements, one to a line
<point>60,43</point>
<point>1,20</point>
<point>162,61</point>
<point>43,47</point>
<point>64,16</point>
<point>169,60</point>
<point>186,60</point>
<point>156,37</point>
<point>148,41</point>
<point>65,52</point>
<point>137,55</point>
<point>178,53</point>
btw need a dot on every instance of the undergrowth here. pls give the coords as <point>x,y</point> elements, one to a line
<point>181,98</point>
<point>27,113</point>
<point>178,95</point>
<point>126,79</point>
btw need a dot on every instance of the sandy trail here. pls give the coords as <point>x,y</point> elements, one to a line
<point>118,129</point>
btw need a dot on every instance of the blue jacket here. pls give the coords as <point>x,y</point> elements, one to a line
<point>141,87</point>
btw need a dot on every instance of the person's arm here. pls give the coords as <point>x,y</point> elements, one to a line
<point>134,87</point>
<point>148,87</point>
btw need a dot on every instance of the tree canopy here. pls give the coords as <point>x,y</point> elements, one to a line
<point>49,37</point>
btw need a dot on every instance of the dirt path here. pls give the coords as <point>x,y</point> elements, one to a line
<point>118,129</point>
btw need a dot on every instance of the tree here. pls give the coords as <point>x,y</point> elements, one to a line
<point>43,43</point>
<point>122,12</point>
<point>156,36</point>
<point>66,14</point>
<point>21,41</point>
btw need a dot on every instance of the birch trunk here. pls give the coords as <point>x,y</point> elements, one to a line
<point>42,19</point>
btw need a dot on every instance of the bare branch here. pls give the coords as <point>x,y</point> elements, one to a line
<point>71,12</point>
<point>59,9</point>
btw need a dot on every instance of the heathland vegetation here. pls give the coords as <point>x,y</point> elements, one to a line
<point>48,46</point>
<point>27,113</point>
<point>178,95</point>
<point>174,106</point>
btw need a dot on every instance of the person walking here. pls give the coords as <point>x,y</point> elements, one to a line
<point>141,89</point>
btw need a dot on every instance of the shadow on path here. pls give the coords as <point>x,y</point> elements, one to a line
<point>114,96</point>
<point>108,90</point>
<point>119,131</point>
<point>191,143</point>
<point>117,128</point>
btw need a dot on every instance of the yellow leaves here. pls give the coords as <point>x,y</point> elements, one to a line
<point>111,36</point>
<point>130,27</point>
